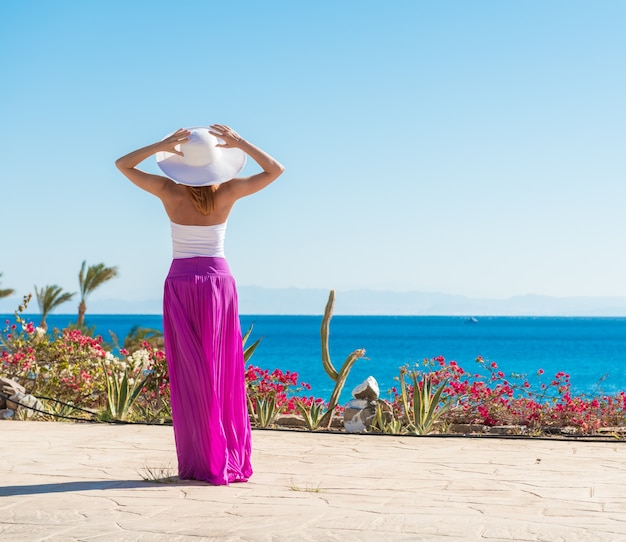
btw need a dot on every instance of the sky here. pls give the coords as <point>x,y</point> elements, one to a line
<point>467,148</point>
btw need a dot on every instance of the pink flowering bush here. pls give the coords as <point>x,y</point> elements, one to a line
<point>66,366</point>
<point>489,398</point>
<point>271,393</point>
<point>72,368</point>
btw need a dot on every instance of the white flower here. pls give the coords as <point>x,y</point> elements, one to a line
<point>40,333</point>
<point>110,358</point>
<point>139,358</point>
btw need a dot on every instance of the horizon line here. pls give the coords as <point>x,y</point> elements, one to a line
<point>464,315</point>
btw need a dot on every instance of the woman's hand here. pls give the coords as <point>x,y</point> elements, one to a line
<point>227,135</point>
<point>170,143</point>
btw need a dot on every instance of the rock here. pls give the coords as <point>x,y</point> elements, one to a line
<point>336,422</point>
<point>11,387</point>
<point>358,415</point>
<point>290,420</point>
<point>6,413</point>
<point>15,397</point>
<point>466,428</point>
<point>361,411</point>
<point>368,389</point>
<point>352,421</point>
<point>507,430</point>
<point>618,429</point>
<point>24,401</point>
<point>358,404</point>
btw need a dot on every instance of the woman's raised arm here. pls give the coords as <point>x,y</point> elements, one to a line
<point>155,184</point>
<point>244,186</point>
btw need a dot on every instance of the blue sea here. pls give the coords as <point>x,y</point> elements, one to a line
<point>591,350</point>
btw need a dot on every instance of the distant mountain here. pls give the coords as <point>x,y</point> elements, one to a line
<point>258,300</point>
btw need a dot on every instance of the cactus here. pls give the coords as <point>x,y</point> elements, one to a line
<point>340,376</point>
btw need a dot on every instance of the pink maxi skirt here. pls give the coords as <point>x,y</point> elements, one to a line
<point>206,368</point>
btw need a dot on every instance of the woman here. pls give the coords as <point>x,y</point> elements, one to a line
<point>200,313</point>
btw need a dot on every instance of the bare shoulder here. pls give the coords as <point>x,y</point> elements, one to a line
<point>227,192</point>
<point>174,192</point>
<point>236,188</point>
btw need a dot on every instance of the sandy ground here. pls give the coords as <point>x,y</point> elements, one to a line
<point>65,482</point>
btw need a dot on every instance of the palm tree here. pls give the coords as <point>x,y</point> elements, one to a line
<point>89,279</point>
<point>48,299</point>
<point>6,292</point>
<point>138,335</point>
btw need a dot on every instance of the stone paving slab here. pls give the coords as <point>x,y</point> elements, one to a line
<point>85,482</point>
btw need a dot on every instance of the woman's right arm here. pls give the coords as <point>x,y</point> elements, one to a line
<point>155,184</point>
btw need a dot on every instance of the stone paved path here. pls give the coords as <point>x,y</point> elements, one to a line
<point>67,482</point>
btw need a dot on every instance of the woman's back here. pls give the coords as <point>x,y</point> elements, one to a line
<point>181,209</point>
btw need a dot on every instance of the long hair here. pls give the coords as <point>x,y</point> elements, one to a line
<point>203,198</point>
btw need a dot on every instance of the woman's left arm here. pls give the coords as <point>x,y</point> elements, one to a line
<point>244,186</point>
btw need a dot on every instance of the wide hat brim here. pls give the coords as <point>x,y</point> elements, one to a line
<point>225,163</point>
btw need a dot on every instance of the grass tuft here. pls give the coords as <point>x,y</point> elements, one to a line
<point>159,475</point>
<point>306,489</point>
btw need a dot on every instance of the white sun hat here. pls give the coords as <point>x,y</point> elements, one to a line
<point>202,163</point>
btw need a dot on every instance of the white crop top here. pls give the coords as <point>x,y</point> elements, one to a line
<point>192,241</point>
